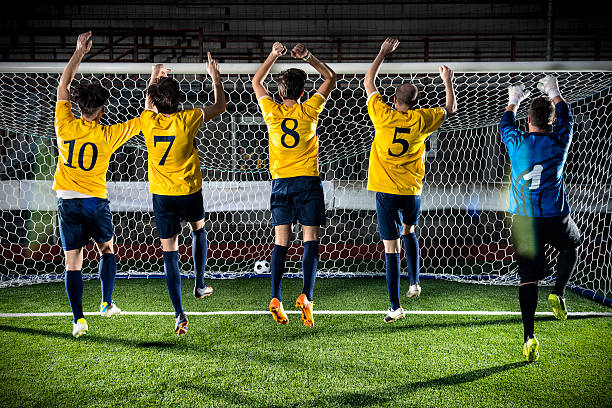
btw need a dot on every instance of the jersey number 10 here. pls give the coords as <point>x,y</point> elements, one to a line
<point>94,155</point>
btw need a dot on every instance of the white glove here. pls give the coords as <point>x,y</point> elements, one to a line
<point>516,94</point>
<point>549,86</point>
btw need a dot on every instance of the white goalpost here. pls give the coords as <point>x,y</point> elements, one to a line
<point>463,228</point>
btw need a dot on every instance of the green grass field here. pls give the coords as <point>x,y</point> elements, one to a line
<point>345,360</point>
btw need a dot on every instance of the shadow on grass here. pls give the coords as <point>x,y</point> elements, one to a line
<point>388,394</point>
<point>97,338</point>
<point>392,392</point>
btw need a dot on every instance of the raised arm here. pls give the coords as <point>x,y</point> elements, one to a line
<point>300,51</point>
<point>157,72</point>
<point>516,94</point>
<point>451,102</point>
<point>507,124</point>
<point>278,49</point>
<point>387,47</point>
<point>565,120</point>
<point>218,107</point>
<point>82,47</point>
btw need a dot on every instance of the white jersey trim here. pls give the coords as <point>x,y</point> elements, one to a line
<point>70,194</point>
<point>370,96</point>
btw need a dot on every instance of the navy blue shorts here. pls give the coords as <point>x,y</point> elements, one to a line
<point>531,234</point>
<point>171,210</point>
<point>84,218</point>
<point>297,199</point>
<point>393,210</point>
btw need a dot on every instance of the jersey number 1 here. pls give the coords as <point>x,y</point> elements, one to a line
<point>163,139</point>
<point>534,175</point>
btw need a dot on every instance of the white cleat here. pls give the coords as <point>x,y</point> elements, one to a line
<point>414,291</point>
<point>79,328</point>
<point>393,315</point>
<point>109,310</point>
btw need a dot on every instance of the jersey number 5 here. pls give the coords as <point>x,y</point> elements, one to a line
<point>163,139</point>
<point>94,155</point>
<point>404,143</point>
<point>290,132</point>
<point>534,175</point>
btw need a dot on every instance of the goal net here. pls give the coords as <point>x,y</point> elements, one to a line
<point>463,228</point>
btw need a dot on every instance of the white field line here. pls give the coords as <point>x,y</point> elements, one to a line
<point>318,312</point>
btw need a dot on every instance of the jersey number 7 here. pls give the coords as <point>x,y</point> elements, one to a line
<point>163,139</point>
<point>404,143</point>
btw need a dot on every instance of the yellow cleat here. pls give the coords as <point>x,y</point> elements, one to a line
<point>558,306</point>
<point>530,349</point>
<point>278,312</point>
<point>79,328</point>
<point>305,307</point>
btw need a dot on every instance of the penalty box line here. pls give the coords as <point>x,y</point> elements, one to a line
<point>317,312</point>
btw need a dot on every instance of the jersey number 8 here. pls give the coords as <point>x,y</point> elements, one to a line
<point>290,132</point>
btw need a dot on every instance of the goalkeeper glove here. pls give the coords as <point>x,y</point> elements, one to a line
<point>516,94</point>
<point>549,86</point>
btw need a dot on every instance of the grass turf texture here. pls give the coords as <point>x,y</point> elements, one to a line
<point>345,360</point>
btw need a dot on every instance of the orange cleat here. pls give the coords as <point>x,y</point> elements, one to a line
<point>278,312</point>
<point>305,307</point>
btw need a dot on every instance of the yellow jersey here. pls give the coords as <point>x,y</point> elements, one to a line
<point>397,156</point>
<point>174,165</point>
<point>292,133</point>
<point>85,149</point>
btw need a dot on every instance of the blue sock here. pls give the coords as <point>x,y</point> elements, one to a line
<point>173,280</point>
<point>411,248</point>
<point>74,290</point>
<point>199,248</point>
<point>108,271</point>
<point>277,268</point>
<point>310,259</point>
<point>393,278</point>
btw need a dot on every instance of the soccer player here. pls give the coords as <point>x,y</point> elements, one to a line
<point>297,191</point>
<point>175,176</point>
<point>85,148</point>
<point>397,167</point>
<point>538,201</point>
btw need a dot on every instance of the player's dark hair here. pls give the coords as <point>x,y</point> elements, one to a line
<point>542,112</point>
<point>90,97</point>
<point>407,94</point>
<point>164,94</point>
<point>291,83</point>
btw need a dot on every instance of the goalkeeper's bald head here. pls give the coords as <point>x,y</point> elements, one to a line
<point>406,96</point>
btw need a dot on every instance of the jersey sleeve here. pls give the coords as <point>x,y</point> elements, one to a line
<point>314,105</point>
<point>122,132</point>
<point>380,113</point>
<point>565,122</point>
<point>507,128</point>
<point>193,118</point>
<point>432,119</point>
<point>63,114</point>
<point>266,104</point>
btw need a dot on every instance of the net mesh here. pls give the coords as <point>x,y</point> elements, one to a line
<point>463,228</point>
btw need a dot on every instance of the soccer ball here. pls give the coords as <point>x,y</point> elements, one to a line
<point>262,267</point>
